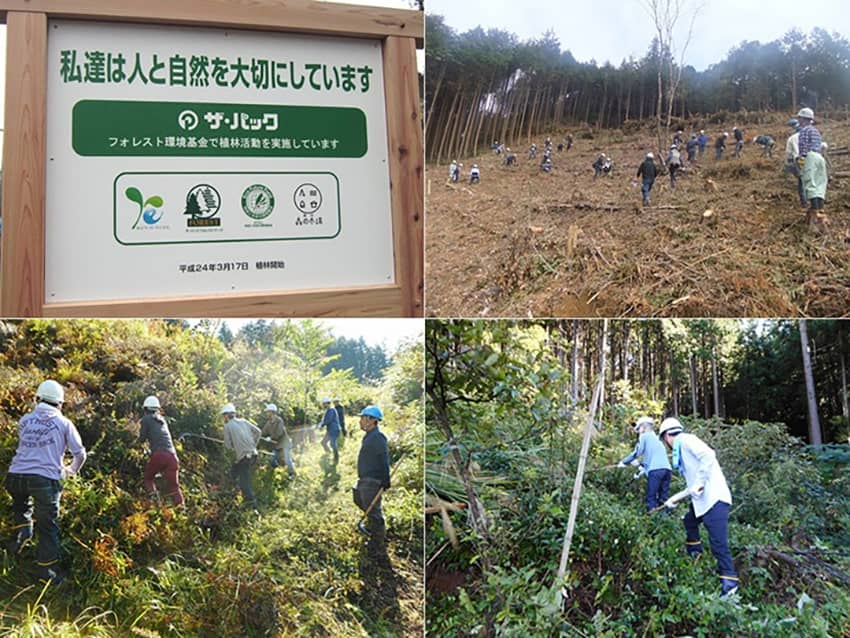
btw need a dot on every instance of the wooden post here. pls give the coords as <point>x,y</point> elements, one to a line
<point>22,259</point>
<point>22,253</point>
<point>406,158</point>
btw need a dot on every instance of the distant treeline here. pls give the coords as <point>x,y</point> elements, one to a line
<point>483,86</point>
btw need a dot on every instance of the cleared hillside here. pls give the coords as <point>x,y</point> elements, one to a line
<point>527,243</point>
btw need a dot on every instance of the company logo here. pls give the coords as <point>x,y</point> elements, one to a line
<point>257,201</point>
<point>202,205</point>
<point>307,198</point>
<point>149,209</point>
<point>188,120</point>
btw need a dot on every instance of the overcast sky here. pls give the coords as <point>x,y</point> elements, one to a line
<point>620,28</point>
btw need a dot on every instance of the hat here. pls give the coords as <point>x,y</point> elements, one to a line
<point>670,426</point>
<point>807,113</point>
<point>644,420</point>
<point>228,408</point>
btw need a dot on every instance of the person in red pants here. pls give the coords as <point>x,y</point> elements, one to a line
<point>154,430</point>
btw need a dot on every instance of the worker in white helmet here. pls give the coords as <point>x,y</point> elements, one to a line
<point>274,431</point>
<point>241,437</point>
<point>813,171</point>
<point>710,499</point>
<point>654,458</point>
<point>35,474</point>
<point>154,430</point>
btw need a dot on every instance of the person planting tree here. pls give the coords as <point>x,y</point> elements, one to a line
<point>710,499</point>
<point>658,472</point>
<point>154,430</point>
<point>33,481</point>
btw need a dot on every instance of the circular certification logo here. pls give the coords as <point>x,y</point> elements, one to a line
<point>307,198</point>
<point>257,201</point>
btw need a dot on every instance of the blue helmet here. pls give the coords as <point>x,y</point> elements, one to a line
<point>793,122</point>
<point>373,411</point>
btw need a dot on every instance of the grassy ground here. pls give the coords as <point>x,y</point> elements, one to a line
<point>299,569</point>
<point>526,243</point>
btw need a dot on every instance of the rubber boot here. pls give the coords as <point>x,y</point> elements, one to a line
<point>694,549</point>
<point>728,586</point>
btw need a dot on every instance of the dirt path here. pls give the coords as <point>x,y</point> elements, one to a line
<point>525,243</point>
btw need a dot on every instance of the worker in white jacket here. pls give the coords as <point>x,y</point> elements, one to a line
<point>710,498</point>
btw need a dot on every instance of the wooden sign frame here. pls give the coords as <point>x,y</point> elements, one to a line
<point>22,264</point>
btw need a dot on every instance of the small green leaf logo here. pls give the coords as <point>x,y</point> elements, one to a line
<point>151,217</point>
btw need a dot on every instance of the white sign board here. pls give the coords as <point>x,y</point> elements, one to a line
<point>193,161</point>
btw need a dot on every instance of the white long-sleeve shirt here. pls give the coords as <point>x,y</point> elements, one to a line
<point>792,148</point>
<point>241,437</point>
<point>700,467</point>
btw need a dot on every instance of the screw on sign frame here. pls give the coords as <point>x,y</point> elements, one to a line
<point>22,254</point>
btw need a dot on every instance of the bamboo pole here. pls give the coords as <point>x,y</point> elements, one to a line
<point>582,461</point>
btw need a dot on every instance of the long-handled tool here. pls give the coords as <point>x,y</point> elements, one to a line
<point>360,524</point>
<point>678,496</point>
<point>183,437</point>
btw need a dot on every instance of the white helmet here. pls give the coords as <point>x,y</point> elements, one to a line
<point>336,400</point>
<point>326,400</point>
<point>650,155</point>
<point>644,420</point>
<point>50,390</point>
<point>807,113</point>
<point>151,402</point>
<point>670,426</point>
<point>271,407</point>
<point>824,146</point>
<point>228,408</point>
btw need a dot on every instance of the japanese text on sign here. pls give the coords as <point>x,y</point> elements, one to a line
<point>107,67</point>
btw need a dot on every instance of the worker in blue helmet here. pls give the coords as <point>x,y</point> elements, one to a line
<point>373,469</point>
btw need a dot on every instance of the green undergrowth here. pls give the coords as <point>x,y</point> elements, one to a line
<point>629,574</point>
<point>137,568</point>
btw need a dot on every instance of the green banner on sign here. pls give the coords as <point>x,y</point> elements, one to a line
<point>191,129</point>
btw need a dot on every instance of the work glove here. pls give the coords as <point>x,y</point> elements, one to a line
<point>267,439</point>
<point>635,463</point>
<point>696,490</point>
<point>670,503</point>
<point>67,472</point>
<point>800,162</point>
<point>621,464</point>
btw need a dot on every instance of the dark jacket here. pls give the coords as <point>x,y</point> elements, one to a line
<point>374,458</point>
<point>648,170</point>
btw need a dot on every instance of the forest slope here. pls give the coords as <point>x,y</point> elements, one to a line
<point>629,574</point>
<point>526,243</point>
<point>134,568</point>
